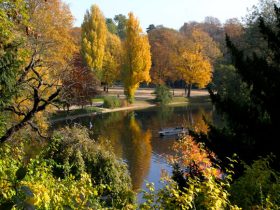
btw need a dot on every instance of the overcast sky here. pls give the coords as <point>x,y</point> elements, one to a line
<point>170,13</point>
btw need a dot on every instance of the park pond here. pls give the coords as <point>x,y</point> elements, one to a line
<point>133,136</point>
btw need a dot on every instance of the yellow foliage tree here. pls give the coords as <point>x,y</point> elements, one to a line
<point>94,33</point>
<point>45,53</point>
<point>195,69</point>
<point>50,27</point>
<point>112,60</point>
<point>137,58</point>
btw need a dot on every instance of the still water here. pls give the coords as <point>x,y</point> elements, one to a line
<point>133,136</point>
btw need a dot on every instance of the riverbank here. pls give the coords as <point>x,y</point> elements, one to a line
<point>143,100</point>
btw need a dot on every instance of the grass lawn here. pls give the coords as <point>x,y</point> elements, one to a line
<point>96,100</point>
<point>179,99</point>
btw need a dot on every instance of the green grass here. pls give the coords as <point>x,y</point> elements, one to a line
<point>179,99</point>
<point>197,100</point>
<point>95,100</point>
<point>61,114</point>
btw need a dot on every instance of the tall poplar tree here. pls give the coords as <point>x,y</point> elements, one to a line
<point>94,32</point>
<point>137,58</point>
<point>112,60</point>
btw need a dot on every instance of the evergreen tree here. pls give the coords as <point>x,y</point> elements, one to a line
<point>252,120</point>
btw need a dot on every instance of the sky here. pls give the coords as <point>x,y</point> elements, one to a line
<point>170,13</point>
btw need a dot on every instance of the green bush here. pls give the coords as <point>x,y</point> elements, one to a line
<point>73,148</point>
<point>207,194</point>
<point>73,172</point>
<point>163,95</point>
<point>111,102</point>
<point>32,185</point>
<point>258,187</point>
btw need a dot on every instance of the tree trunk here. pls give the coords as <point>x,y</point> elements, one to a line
<point>189,90</point>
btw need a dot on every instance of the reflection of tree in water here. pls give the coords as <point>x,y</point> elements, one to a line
<point>139,151</point>
<point>130,134</point>
<point>109,130</point>
<point>124,133</point>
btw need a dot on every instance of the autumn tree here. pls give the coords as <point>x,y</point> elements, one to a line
<point>94,33</point>
<point>112,60</point>
<point>76,34</point>
<point>196,58</point>
<point>234,28</point>
<point>137,58</point>
<point>9,56</point>
<point>43,50</point>
<point>79,84</point>
<point>211,25</point>
<point>195,69</point>
<point>164,42</point>
<point>208,46</point>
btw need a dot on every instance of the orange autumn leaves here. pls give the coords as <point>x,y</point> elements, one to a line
<point>190,154</point>
<point>188,57</point>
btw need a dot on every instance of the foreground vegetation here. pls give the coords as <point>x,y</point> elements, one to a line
<point>72,172</point>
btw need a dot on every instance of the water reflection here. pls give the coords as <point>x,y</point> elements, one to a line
<point>139,151</point>
<point>134,137</point>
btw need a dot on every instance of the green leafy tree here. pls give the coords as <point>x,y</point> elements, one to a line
<point>121,22</point>
<point>111,26</point>
<point>9,43</point>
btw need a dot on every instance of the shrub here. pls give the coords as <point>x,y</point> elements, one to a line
<point>73,148</point>
<point>195,183</point>
<point>258,187</point>
<point>33,186</point>
<point>111,102</point>
<point>163,95</point>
